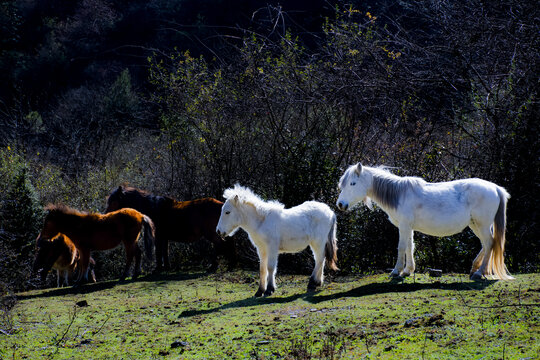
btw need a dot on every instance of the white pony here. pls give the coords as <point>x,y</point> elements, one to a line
<point>438,209</point>
<point>274,229</point>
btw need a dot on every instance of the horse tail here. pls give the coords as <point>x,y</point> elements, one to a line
<point>149,235</point>
<point>330,249</point>
<point>499,228</point>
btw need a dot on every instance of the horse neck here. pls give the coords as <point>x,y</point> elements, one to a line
<point>140,202</point>
<point>385,188</point>
<point>251,218</point>
<point>69,223</point>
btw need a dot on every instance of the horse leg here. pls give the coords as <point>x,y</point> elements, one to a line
<point>484,234</point>
<point>316,279</point>
<point>476,262</point>
<point>409,256</point>
<point>84,262</point>
<point>66,278</point>
<point>272,267</point>
<point>229,251</point>
<point>404,234</point>
<point>58,276</point>
<point>159,254</point>
<point>91,270</point>
<point>165,250</point>
<point>130,254</point>
<point>137,269</point>
<point>263,271</point>
<point>214,257</point>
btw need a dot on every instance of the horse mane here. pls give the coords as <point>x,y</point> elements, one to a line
<point>63,209</point>
<point>148,195</point>
<point>247,196</point>
<point>388,188</point>
<point>140,199</point>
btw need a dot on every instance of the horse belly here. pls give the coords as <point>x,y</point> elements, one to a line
<point>62,264</point>
<point>292,245</point>
<point>104,241</point>
<point>442,224</point>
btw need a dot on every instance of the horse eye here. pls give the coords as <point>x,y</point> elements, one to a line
<point>227,212</point>
<point>353,183</point>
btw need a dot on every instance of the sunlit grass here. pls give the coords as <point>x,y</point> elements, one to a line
<point>217,317</point>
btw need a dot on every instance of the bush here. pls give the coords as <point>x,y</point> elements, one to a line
<point>20,221</point>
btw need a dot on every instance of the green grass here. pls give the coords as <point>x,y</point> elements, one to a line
<point>216,317</point>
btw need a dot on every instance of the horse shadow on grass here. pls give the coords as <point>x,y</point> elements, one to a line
<point>88,288</point>
<point>364,290</point>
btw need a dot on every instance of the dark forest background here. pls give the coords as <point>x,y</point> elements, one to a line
<point>185,98</point>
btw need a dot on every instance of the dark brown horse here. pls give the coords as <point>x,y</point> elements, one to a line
<point>60,254</point>
<point>181,221</point>
<point>92,231</point>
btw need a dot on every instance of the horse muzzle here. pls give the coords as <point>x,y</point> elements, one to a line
<point>342,206</point>
<point>221,234</point>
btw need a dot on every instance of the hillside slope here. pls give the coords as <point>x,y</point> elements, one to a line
<point>216,317</point>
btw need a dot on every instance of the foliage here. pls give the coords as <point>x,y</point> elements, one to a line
<point>20,219</point>
<point>95,95</point>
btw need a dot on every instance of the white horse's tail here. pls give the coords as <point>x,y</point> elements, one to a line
<point>330,249</point>
<point>496,264</point>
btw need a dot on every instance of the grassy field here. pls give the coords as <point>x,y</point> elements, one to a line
<point>188,316</point>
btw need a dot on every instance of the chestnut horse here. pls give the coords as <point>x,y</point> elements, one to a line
<point>92,231</point>
<point>60,254</point>
<point>181,221</point>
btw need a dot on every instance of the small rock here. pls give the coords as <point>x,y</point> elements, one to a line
<point>82,303</point>
<point>435,272</point>
<point>179,343</point>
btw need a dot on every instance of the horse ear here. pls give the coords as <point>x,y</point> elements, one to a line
<point>235,199</point>
<point>358,169</point>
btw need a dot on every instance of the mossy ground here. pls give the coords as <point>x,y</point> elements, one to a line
<point>216,317</point>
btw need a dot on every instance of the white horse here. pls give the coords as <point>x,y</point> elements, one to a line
<point>274,229</point>
<point>438,209</point>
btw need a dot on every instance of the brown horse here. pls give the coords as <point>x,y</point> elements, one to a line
<point>62,255</point>
<point>92,231</point>
<point>181,221</point>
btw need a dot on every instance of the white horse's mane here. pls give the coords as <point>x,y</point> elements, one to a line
<point>247,196</point>
<point>387,187</point>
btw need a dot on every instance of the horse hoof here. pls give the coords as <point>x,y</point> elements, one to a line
<point>394,274</point>
<point>268,292</point>
<point>476,276</point>
<point>313,284</point>
<point>405,274</point>
<point>259,293</point>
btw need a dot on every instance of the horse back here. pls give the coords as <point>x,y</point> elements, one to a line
<point>197,217</point>
<point>104,232</point>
